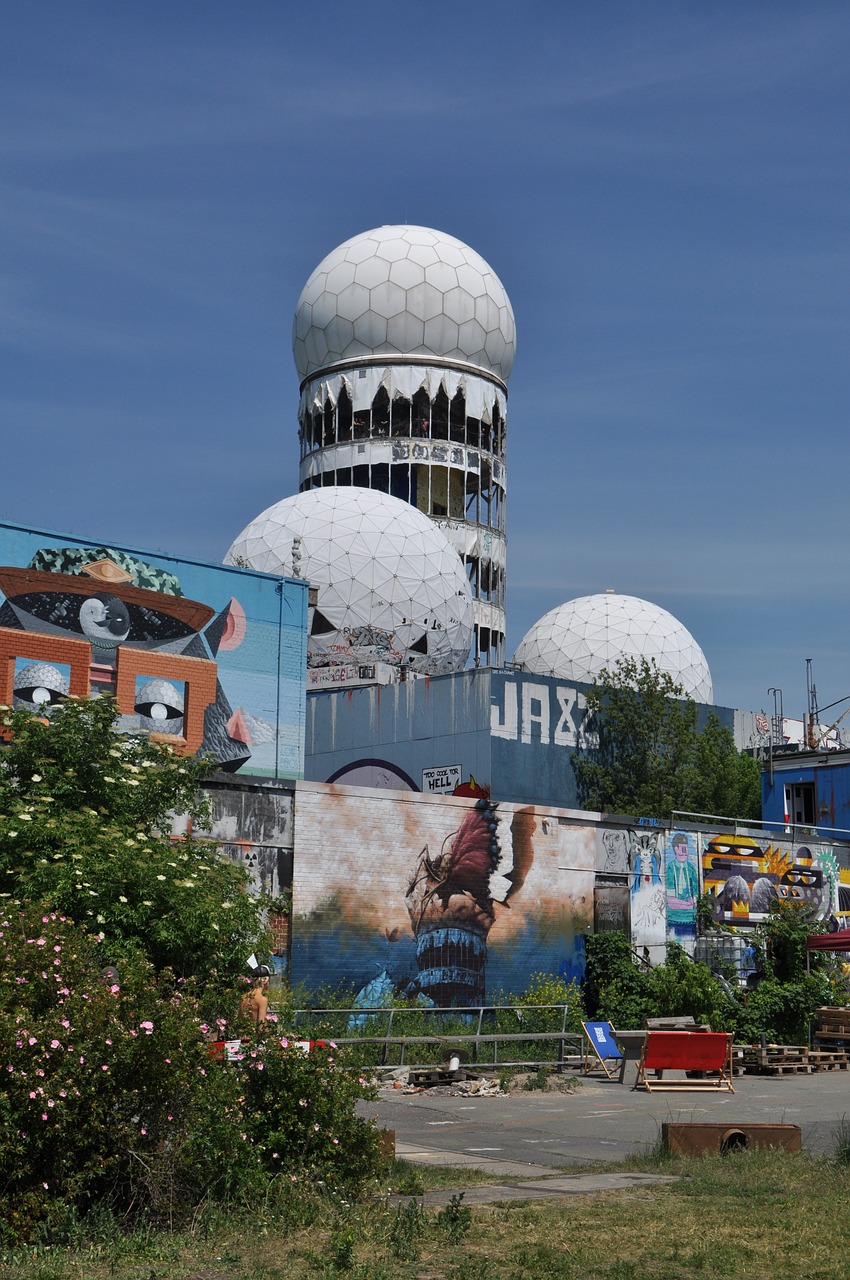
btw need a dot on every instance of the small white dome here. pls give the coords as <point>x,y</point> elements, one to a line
<point>579,638</point>
<point>391,588</point>
<point>399,291</point>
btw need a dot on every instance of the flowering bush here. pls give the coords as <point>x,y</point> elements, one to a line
<point>110,1094</point>
<point>85,826</point>
<point>299,1112</point>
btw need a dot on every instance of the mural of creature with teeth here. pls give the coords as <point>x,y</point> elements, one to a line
<point>451,904</point>
<point>743,877</point>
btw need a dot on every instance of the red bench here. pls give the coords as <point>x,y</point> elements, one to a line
<point>705,1051</point>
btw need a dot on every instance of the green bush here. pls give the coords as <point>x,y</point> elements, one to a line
<point>614,988</point>
<point>685,988</point>
<point>549,989</point>
<point>111,1099</point>
<point>618,991</point>
<point>299,1112</point>
<point>86,829</point>
<point>782,1011</point>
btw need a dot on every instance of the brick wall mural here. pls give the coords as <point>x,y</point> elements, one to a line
<point>208,658</point>
<point>453,899</point>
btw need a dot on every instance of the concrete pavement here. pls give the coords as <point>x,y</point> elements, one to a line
<point>535,1134</point>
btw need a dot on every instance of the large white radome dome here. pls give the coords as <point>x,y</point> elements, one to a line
<point>579,638</point>
<point>404,291</point>
<point>391,588</point>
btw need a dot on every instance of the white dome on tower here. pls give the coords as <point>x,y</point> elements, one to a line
<point>404,291</point>
<point>391,588</point>
<point>580,638</point>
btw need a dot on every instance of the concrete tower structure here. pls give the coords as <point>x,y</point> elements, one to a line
<point>404,341</point>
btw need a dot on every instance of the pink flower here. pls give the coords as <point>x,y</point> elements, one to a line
<point>104,1067</point>
<point>143,1130</point>
<point>54,1044</point>
<point>336,1142</point>
<point>44,1115</point>
<point>146,1026</point>
<point>32,1040</point>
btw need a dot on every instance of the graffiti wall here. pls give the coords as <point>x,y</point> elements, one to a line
<point>743,875</point>
<point>208,658</point>
<point>740,874</point>
<point>656,869</point>
<point>455,900</point>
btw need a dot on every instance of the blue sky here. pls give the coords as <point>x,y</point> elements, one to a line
<point>663,189</point>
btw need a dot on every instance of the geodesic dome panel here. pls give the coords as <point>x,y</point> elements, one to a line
<point>391,588</point>
<point>579,638</point>
<point>404,291</point>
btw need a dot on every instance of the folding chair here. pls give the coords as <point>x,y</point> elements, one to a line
<point>600,1037</point>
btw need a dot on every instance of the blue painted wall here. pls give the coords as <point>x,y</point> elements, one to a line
<point>166,617</point>
<point>829,773</point>
<point>513,732</point>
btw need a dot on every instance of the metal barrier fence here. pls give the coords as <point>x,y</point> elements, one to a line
<point>487,1042</point>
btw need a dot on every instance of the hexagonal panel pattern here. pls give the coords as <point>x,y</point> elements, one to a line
<point>579,638</point>
<point>391,586</point>
<point>409,275</point>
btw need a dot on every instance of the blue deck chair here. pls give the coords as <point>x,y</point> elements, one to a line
<point>600,1038</point>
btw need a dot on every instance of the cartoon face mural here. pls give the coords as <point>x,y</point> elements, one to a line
<point>681,880</point>
<point>451,900</point>
<point>648,900</point>
<point>743,877</point>
<point>616,845</point>
<point>80,620</point>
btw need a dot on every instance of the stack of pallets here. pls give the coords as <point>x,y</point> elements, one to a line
<point>791,1059</point>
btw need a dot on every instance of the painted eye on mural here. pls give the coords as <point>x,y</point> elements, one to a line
<point>40,685</point>
<point>160,702</point>
<point>158,711</point>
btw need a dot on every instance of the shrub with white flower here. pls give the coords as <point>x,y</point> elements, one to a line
<point>75,830</point>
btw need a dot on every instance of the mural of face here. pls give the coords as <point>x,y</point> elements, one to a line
<point>100,612</point>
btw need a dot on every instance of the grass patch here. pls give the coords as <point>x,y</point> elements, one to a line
<point>752,1216</point>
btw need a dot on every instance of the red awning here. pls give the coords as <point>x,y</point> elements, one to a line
<point>829,941</point>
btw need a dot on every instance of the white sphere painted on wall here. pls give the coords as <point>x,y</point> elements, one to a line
<point>404,291</point>
<point>391,588</point>
<point>580,638</point>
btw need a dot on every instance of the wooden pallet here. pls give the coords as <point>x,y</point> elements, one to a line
<point>822,1060</point>
<point>436,1075</point>
<point>781,1069</point>
<point>776,1060</point>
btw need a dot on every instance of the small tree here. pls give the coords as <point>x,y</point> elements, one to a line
<point>85,829</point>
<point>642,751</point>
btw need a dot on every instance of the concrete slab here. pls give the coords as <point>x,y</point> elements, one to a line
<point>578,1184</point>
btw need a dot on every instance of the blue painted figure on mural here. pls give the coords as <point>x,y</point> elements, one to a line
<point>682,883</point>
